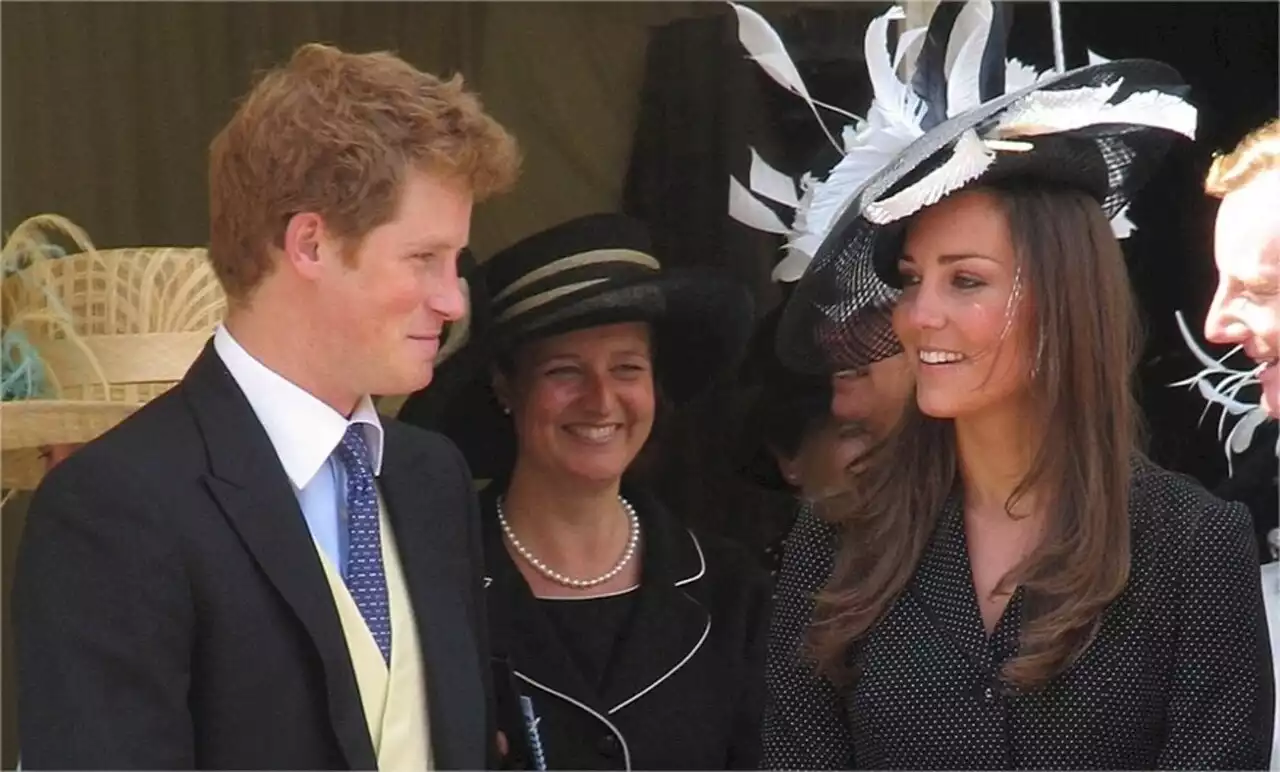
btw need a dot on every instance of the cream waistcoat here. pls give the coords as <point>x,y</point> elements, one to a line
<point>394,698</point>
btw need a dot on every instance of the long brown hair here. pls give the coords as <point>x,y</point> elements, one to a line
<point>1086,335</point>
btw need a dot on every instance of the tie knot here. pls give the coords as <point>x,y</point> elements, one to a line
<point>353,452</point>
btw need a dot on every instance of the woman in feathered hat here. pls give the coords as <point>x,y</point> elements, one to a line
<point>1016,585</point>
<point>632,642</point>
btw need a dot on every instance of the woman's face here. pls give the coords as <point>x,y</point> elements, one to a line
<point>583,401</point>
<point>826,453</point>
<point>963,326</point>
<point>873,395</point>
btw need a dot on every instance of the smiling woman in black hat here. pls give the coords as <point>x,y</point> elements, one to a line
<point>1016,586</point>
<point>630,642</point>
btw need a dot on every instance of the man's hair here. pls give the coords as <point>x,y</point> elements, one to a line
<point>1257,153</point>
<point>336,133</point>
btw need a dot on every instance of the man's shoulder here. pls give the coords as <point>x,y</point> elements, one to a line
<point>416,438</point>
<point>158,437</point>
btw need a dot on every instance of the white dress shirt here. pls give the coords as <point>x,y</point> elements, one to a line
<point>305,432</point>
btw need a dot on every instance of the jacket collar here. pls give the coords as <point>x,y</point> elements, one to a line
<point>666,628</point>
<point>249,483</point>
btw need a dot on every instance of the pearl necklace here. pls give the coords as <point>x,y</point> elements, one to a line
<point>566,581</point>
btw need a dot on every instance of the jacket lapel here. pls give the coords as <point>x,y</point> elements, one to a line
<point>428,543</point>
<point>249,484</point>
<point>668,626</point>
<point>519,629</point>
<point>943,587</point>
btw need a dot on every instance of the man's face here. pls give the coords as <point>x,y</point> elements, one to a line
<point>384,310</point>
<point>873,395</point>
<point>1246,307</point>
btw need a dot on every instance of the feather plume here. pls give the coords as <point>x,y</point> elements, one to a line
<point>771,183</point>
<point>893,123</point>
<point>766,48</point>
<point>1018,75</point>
<point>970,157</point>
<point>750,211</point>
<point>909,43</point>
<point>964,56</point>
<point>1225,393</point>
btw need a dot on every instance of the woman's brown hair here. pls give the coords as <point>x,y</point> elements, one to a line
<point>1085,335</point>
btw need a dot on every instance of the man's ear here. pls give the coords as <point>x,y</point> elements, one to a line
<point>303,236</point>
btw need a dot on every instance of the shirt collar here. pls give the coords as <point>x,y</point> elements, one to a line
<point>303,430</point>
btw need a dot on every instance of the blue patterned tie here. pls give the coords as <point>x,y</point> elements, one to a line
<point>366,579</point>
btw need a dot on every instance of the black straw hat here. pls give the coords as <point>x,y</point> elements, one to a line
<point>591,271</point>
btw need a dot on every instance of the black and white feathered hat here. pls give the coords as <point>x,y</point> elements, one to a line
<point>967,117</point>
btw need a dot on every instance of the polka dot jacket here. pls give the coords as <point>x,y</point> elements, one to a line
<point>1179,676</point>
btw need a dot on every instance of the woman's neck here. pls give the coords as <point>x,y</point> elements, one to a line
<point>571,525</point>
<point>995,452</point>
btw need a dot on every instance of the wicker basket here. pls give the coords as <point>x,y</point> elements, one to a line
<point>113,329</point>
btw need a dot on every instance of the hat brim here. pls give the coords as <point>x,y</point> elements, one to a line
<point>28,425</point>
<point>839,315</point>
<point>701,325</point>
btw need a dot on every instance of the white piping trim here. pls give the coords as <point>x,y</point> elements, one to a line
<point>626,752</point>
<point>705,632</point>
<point>702,562</point>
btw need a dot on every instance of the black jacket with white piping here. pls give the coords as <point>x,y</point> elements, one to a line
<point>684,683</point>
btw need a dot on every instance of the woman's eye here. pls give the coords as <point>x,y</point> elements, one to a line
<point>967,282</point>
<point>909,279</point>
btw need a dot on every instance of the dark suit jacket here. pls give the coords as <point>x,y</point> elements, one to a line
<point>684,688</point>
<point>171,611</point>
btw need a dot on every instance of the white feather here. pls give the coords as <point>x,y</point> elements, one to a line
<point>767,49</point>
<point>771,183</point>
<point>868,151</point>
<point>909,43</point>
<point>893,123</point>
<point>750,211</point>
<point>1121,225</point>
<point>1094,59</point>
<point>1018,75</point>
<point>969,159</point>
<point>895,101</point>
<point>1241,436</point>
<point>792,267</point>
<point>968,38</point>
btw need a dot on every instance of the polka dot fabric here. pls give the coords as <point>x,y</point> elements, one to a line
<point>365,577</point>
<point>1179,676</point>
<point>804,722</point>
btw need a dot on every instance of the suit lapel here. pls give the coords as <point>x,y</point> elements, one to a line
<point>249,484</point>
<point>428,543</point>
